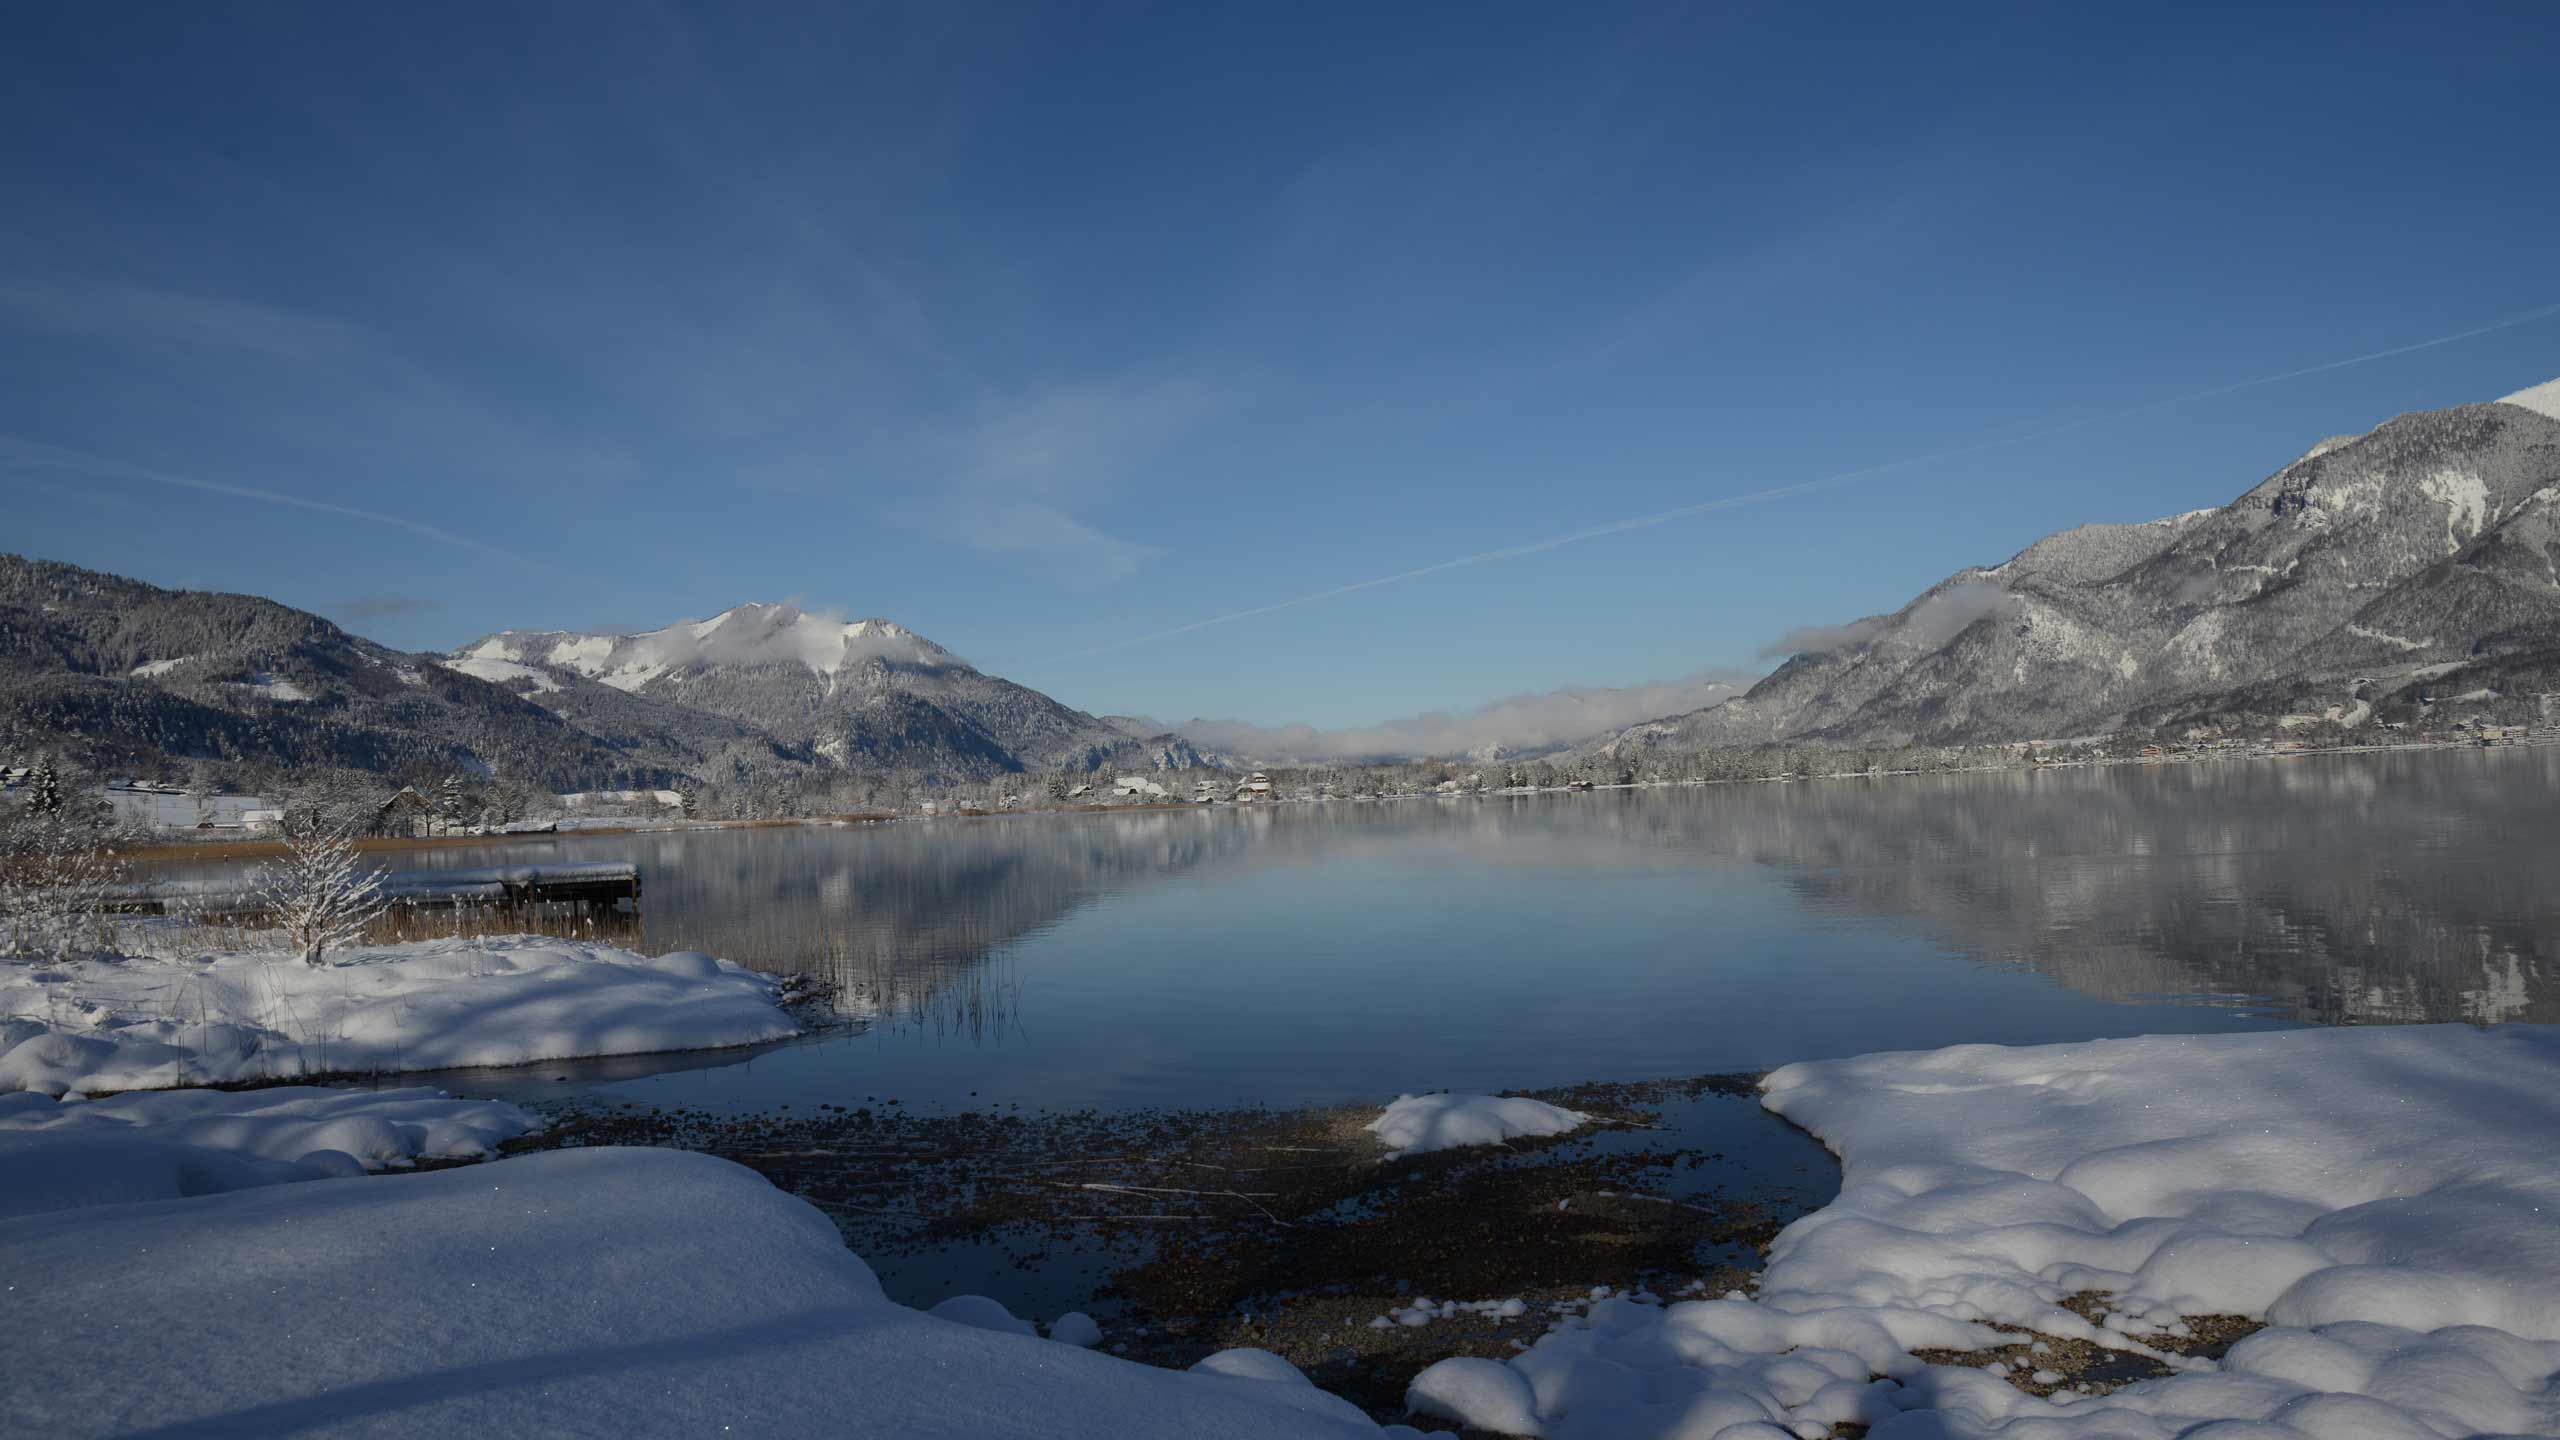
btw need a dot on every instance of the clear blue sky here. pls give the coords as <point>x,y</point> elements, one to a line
<point>1041,327</point>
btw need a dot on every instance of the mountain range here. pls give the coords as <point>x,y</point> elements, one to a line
<point>128,678</point>
<point>2368,580</point>
<point>2364,582</point>
<point>865,694</point>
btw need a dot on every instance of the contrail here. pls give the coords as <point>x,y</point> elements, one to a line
<point>1729,502</point>
<point>16,452</point>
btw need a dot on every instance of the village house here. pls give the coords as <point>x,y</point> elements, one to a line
<point>1256,786</point>
<point>406,813</point>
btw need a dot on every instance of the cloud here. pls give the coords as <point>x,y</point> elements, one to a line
<point>385,605</point>
<point>1012,478</point>
<point>17,453</point>
<point>1933,621</point>
<point>1998,441</point>
<point>1067,436</point>
<point>1034,530</point>
<point>1822,639</point>
<point>145,316</point>
<point>1530,721</point>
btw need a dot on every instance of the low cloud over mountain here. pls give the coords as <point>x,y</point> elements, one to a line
<point>1527,723</point>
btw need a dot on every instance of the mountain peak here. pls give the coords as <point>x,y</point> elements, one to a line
<point>755,633</point>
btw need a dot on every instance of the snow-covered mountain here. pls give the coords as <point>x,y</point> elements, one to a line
<point>749,635</point>
<point>864,694</point>
<point>125,678</point>
<point>2421,558</point>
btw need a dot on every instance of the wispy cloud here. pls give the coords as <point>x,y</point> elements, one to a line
<point>1800,487</point>
<point>18,454</point>
<point>1530,721</point>
<point>1013,477</point>
<point>144,315</point>
<point>1066,548</point>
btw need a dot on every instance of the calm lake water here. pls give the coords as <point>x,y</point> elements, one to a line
<point>1348,951</point>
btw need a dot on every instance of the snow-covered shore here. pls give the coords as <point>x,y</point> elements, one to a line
<point>128,1024</point>
<point>161,1145</point>
<point>619,1293</point>
<point>2385,1199</point>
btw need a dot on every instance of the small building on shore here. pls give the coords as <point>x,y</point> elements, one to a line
<point>1256,786</point>
<point>144,805</point>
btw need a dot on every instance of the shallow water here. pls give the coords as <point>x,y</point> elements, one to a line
<point>1348,951</point>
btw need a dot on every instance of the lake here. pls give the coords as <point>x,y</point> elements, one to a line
<point>1343,951</point>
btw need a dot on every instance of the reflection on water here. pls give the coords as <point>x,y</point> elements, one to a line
<point>1347,950</point>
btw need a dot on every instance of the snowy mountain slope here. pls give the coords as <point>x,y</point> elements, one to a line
<point>865,694</point>
<point>121,676</point>
<point>2387,557</point>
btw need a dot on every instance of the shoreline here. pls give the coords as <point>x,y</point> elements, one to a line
<point>161,850</point>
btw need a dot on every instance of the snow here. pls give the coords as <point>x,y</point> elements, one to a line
<point>2385,637</point>
<point>979,1312</point>
<point>532,1296</point>
<point>2384,1198</point>
<point>1415,1124</point>
<point>2542,399</point>
<point>128,1024</point>
<point>1486,1394</point>
<point>504,672</point>
<point>1076,1328</point>
<point>57,1154</point>
<point>2465,498</point>
<point>1422,1311</point>
<point>282,692</point>
<point>151,668</point>
<point>2334,442</point>
<point>750,634</point>
<point>1259,1366</point>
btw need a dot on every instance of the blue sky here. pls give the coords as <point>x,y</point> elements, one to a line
<point>1043,328</point>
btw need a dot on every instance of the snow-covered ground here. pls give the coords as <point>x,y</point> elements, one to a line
<point>615,1293</point>
<point>61,1154</point>
<point>1417,1124</point>
<point>2387,1199</point>
<point>128,1024</point>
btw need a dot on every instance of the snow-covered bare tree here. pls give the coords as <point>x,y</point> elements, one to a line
<point>55,875</point>
<point>322,892</point>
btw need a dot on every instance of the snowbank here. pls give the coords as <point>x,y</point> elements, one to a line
<point>530,1297</point>
<point>131,1024</point>
<point>1415,1124</point>
<point>2386,1198</point>
<point>56,1154</point>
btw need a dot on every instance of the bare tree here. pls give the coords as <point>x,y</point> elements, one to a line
<point>322,892</point>
<point>55,876</point>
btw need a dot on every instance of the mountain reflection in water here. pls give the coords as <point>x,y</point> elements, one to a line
<point>1307,952</point>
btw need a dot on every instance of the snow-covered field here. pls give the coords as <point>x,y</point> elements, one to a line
<point>2388,1199</point>
<point>128,1024</point>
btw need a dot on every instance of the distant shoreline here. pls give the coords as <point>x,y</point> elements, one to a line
<point>265,849</point>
